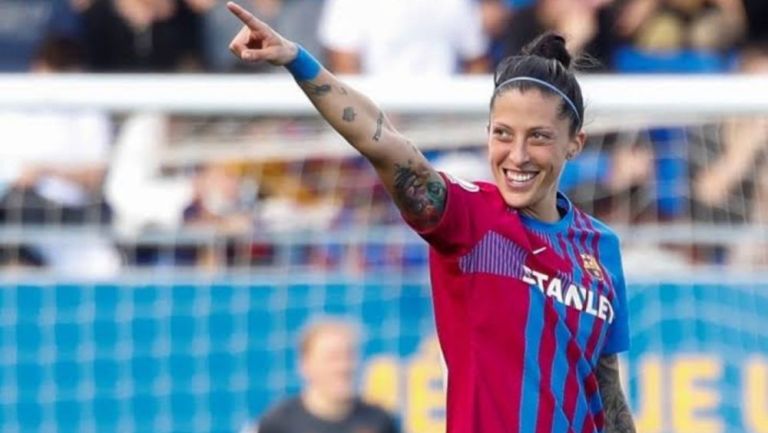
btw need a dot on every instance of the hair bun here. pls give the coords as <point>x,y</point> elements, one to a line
<point>549,45</point>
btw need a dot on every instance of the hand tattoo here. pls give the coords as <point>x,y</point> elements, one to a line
<point>420,193</point>
<point>618,418</point>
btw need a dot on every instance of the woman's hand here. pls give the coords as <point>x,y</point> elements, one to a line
<point>258,42</point>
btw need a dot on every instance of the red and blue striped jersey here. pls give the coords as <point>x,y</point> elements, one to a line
<point>524,310</point>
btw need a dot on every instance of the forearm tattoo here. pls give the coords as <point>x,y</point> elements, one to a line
<point>349,114</point>
<point>618,418</point>
<point>379,126</point>
<point>420,193</point>
<point>316,89</point>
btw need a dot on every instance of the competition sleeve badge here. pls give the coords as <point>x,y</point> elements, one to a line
<point>590,265</point>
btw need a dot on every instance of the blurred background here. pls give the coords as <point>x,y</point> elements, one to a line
<point>170,219</point>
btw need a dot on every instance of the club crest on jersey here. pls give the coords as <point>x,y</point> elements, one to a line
<point>591,266</point>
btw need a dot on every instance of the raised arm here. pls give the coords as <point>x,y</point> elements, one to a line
<point>618,418</point>
<point>417,189</point>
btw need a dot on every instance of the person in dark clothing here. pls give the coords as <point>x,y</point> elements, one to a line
<point>757,20</point>
<point>292,416</point>
<point>26,24</point>
<point>328,402</point>
<point>588,25</point>
<point>142,36</point>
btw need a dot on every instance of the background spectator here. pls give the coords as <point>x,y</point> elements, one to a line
<point>495,16</point>
<point>403,37</point>
<point>739,166</point>
<point>586,24</point>
<point>756,12</point>
<point>298,18</point>
<point>53,167</point>
<point>679,35</point>
<point>328,354</point>
<point>24,24</point>
<point>138,191</point>
<point>146,196</point>
<point>142,35</point>
<point>56,166</point>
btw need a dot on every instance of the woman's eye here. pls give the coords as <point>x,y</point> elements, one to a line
<point>501,132</point>
<point>540,136</point>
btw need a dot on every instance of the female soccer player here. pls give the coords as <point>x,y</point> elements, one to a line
<point>528,291</point>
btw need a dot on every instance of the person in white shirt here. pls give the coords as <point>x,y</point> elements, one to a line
<point>403,37</point>
<point>52,174</point>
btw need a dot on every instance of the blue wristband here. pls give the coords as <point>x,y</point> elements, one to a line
<point>304,67</point>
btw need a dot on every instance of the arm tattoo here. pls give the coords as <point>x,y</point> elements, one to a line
<point>349,114</point>
<point>420,193</point>
<point>618,418</point>
<point>379,125</point>
<point>317,89</point>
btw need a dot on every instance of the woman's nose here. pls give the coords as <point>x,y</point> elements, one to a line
<point>518,154</point>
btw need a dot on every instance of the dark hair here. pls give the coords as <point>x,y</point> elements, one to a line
<point>545,59</point>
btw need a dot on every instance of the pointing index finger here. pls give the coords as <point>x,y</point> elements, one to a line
<point>246,17</point>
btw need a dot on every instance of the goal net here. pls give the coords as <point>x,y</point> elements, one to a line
<point>222,215</point>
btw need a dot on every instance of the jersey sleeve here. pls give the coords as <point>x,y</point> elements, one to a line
<point>457,227</point>
<point>617,339</point>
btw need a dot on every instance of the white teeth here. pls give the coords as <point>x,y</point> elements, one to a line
<point>518,176</point>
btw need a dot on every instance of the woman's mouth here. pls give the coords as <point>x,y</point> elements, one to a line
<point>519,179</point>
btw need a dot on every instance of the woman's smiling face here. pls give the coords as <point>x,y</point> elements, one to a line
<point>529,141</point>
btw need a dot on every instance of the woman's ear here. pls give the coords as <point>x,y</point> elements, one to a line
<point>576,145</point>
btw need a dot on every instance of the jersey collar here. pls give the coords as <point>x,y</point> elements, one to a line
<point>563,204</point>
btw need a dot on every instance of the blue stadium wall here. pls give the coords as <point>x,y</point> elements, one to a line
<point>209,355</point>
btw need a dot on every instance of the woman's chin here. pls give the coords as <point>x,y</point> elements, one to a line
<point>516,200</point>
